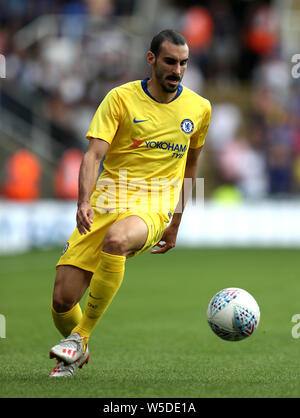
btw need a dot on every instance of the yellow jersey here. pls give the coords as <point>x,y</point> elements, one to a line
<point>149,141</point>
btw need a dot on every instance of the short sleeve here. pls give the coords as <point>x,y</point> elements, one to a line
<point>107,118</point>
<point>198,138</point>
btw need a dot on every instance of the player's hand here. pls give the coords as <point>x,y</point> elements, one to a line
<point>168,240</point>
<point>84,217</point>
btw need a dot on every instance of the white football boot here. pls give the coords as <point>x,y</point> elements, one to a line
<point>70,349</point>
<point>67,370</point>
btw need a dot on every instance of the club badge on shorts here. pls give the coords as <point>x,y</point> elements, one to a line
<point>187,126</point>
<point>65,248</point>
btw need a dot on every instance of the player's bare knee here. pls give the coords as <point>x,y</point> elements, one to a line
<point>62,304</point>
<point>62,300</point>
<point>115,244</point>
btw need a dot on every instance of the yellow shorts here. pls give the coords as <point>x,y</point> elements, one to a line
<point>83,250</point>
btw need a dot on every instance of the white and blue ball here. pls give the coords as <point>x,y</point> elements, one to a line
<point>233,314</point>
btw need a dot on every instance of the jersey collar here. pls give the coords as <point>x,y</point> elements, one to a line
<point>144,87</point>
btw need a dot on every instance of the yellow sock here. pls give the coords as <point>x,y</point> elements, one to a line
<point>104,285</point>
<point>66,321</point>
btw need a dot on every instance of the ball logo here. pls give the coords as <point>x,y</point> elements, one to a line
<point>187,126</point>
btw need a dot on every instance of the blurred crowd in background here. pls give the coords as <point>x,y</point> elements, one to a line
<point>62,57</point>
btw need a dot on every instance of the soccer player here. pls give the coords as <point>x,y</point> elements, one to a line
<point>151,133</point>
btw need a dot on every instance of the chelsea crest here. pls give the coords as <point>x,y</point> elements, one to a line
<point>187,126</point>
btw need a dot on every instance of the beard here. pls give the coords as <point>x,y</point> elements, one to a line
<point>163,81</point>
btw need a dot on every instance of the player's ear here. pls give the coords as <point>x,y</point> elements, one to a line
<point>151,58</point>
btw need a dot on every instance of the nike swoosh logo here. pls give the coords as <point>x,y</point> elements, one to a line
<point>94,297</point>
<point>138,121</point>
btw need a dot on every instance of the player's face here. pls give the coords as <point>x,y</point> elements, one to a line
<point>170,65</point>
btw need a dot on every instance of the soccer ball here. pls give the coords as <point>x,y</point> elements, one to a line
<point>233,314</point>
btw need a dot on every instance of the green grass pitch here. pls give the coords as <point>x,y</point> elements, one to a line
<point>154,340</point>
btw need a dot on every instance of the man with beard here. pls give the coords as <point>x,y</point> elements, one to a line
<point>151,133</point>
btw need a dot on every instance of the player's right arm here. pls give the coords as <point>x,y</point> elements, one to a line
<point>87,178</point>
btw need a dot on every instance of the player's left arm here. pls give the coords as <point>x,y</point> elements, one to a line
<point>169,237</point>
